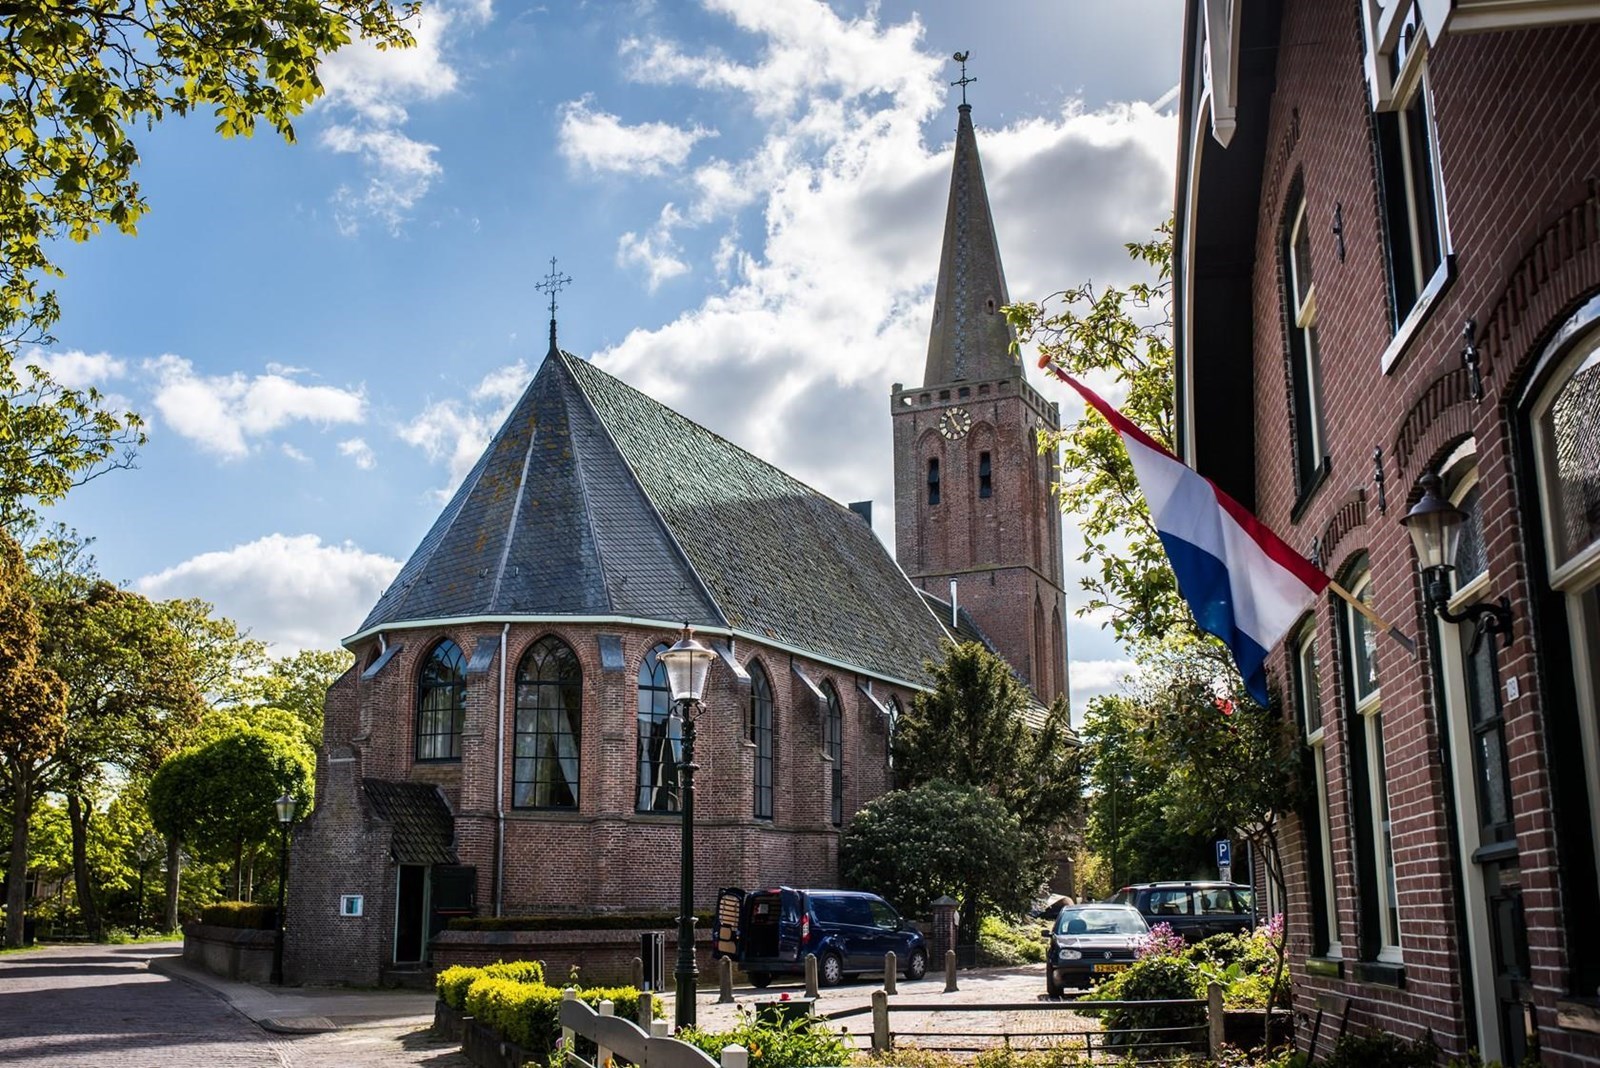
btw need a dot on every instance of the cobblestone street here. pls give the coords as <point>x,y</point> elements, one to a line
<point>96,1005</point>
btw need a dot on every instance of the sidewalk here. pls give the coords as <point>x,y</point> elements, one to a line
<point>297,1010</point>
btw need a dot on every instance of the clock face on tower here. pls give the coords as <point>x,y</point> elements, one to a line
<point>955,423</point>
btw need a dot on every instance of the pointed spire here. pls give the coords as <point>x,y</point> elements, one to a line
<point>970,339</point>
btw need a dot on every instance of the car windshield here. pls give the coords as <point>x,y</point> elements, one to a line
<point>1101,921</point>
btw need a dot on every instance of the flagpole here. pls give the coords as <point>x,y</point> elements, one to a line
<point>1378,621</point>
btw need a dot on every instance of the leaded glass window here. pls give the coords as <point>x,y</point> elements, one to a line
<point>549,726</point>
<point>441,703</point>
<point>761,733</point>
<point>833,746</point>
<point>660,738</point>
<point>1571,440</point>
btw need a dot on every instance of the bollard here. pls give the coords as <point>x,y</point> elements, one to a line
<point>647,1009</point>
<point>660,1029</point>
<point>605,1008</point>
<point>725,978</point>
<point>882,1041</point>
<point>891,972</point>
<point>735,1056</point>
<point>949,970</point>
<point>568,994</point>
<point>638,974</point>
<point>1214,1018</point>
<point>811,976</point>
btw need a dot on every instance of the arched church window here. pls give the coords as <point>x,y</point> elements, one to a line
<point>660,738</point>
<point>441,703</point>
<point>888,737</point>
<point>549,726</point>
<point>985,476</point>
<point>933,480</point>
<point>833,746</point>
<point>762,734</point>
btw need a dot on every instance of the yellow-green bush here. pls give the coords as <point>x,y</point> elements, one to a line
<point>245,914</point>
<point>528,1013</point>
<point>453,982</point>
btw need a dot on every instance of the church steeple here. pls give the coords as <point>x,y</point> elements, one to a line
<point>970,339</point>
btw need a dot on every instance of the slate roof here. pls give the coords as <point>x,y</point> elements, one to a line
<point>594,499</point>
<point>424,827</point>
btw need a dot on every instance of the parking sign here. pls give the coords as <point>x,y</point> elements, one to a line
<point>1224,853</point>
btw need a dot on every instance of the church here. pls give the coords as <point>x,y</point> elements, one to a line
<point>503,744</point>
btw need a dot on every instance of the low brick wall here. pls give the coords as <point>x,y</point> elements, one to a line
<point>231,952</point>
<point>603,958</point>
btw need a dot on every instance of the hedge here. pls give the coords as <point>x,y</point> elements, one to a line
<point>453,983</point>
<point>638,921</point>
<point>245,914</point>
<point>529,1013</point>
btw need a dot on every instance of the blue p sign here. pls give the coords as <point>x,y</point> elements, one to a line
<point>1224,853</point>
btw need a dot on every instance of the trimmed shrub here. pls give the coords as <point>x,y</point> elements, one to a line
<point>243,914</point>
<point>452,983</point>
<point>1152,979</point>
<point>637,921</point>
<point>1365,1049</point>
<point>528,1013</point>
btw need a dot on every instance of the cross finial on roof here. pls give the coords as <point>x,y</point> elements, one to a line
<point>963,81</point>
<point>553,283</point>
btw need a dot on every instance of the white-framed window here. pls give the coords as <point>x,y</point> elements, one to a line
<point>1367,699</point>
<point>1305,373</point>
<point>1308,709</point>
<point>1566,441</point>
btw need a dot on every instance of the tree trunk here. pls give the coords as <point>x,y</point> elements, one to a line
<point>17,873</point>
<point>78,816</point>
<point>238,869</point>
<point>173,860</point>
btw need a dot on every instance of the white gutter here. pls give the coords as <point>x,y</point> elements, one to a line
<point>500,782</point>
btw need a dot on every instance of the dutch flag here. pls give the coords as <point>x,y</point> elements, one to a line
<point>1241,581</point>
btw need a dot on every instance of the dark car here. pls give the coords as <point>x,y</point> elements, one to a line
<point>772,932</point>
<point>1092,942</point>
<point>1193,909</point>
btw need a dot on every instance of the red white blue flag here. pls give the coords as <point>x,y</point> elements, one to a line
<point>1241,581</point>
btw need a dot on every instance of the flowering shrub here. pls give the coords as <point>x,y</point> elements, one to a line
<point>1163,942</point>
<point>798,1043</point>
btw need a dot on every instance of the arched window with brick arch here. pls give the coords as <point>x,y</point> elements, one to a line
<point>441,703</point>
<point>763,737</point>
<point>1058,641</point>
<point>1041,655</point>
<point>660,745</point>
<point>833,748</point>
<point>549,726</point>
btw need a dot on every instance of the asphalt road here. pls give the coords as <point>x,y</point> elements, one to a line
<point>97,1005</point>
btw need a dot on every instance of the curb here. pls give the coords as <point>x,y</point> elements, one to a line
<point>299,1025</point>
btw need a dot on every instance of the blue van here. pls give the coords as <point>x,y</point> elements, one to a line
<point>771,932</point>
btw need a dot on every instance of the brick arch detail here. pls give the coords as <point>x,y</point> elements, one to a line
<point>1442,410</point>
<point>1349,516</point>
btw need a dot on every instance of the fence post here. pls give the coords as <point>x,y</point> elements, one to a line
<point>882,1042</point>
<point>949,970</point>
<point>811,976</point>
<point>567,994</point>
<point>725,978</point>
<point>891,972</point>
<point>1214,1018</point>
<point>638,973</point>
<point>735,1057</point>
<point>647,1008</point>
<point>660,1029</point>
<point>602,1055</point>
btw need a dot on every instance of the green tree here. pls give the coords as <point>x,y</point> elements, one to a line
<point>298,684</point>
<point>76,81</point>
<point>219,797</point>
<point>227,660</point>
<point>940,838</point>
<point>978,727</point>
<point>32,720</point>
<point>131,699</point>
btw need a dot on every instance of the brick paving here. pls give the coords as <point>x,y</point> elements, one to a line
<point>96,1005</point>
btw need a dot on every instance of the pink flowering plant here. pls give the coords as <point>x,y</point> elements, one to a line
<point>1162,941</point>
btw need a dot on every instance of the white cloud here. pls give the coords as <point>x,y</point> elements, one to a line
<point>76,369</point>
<point>504,384</point>
<point>222,413</point>
<point>291,590</point>
<point>294,454</point>
<point>656,252</point>
<point>359,452</point>
<point>1091,678</point>
<point>456,432</point>
<point>369,90</point>
<point>600,141</point>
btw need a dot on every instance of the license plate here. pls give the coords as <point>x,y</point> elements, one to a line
<point>1110,967</point>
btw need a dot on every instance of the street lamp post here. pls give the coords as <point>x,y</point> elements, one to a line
<point>1435,528</point>
<point>687,663</point>
<point>285,806</point>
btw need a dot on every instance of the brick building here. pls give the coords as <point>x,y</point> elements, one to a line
<point>503,744</point>
<point>1387,267</point>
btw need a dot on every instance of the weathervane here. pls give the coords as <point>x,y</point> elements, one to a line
<point>553,283</point>
<point>963,81</point>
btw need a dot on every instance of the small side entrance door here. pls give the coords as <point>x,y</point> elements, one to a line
<point>410,914</point>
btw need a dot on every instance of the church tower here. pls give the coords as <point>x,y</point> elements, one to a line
<point>975,521</point>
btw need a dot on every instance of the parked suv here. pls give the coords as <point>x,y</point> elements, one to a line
<point>1194,910</point>
<point>771,932</point>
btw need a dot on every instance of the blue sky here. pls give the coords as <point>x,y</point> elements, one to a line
<point>748,195</point>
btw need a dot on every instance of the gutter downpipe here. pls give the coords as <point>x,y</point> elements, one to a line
<point>500,782</point>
